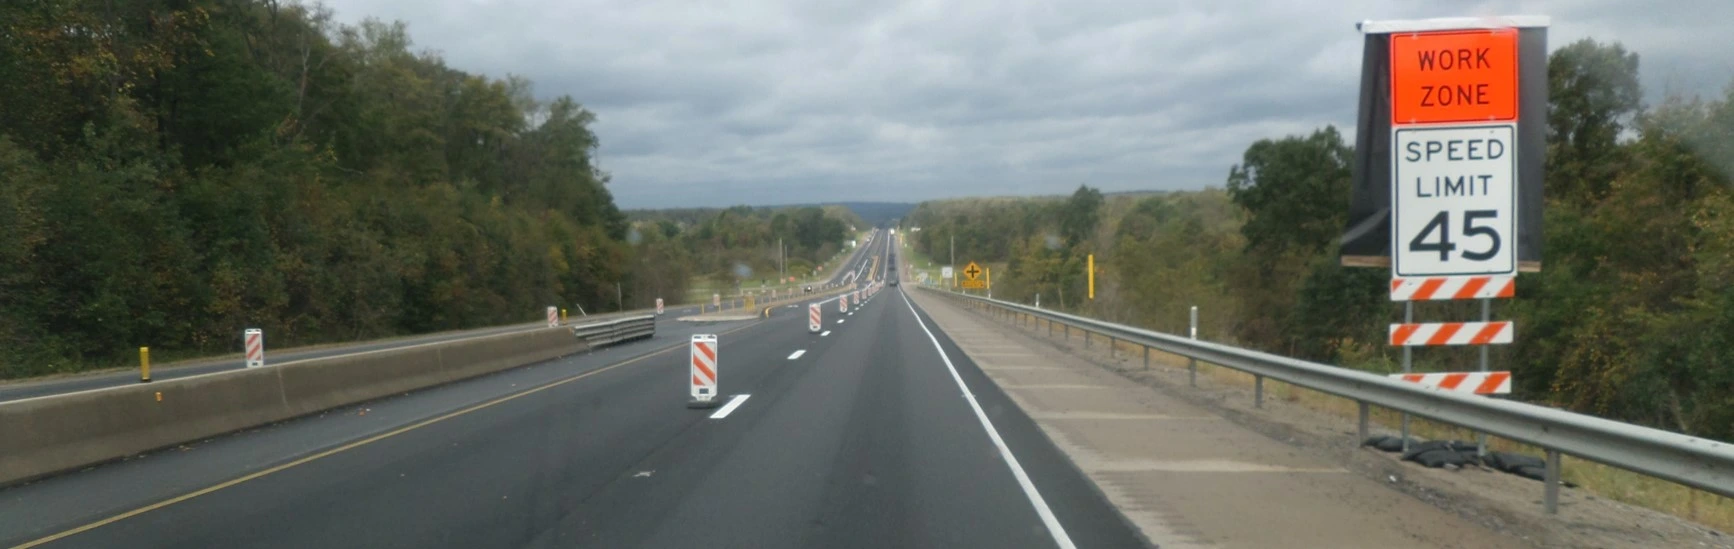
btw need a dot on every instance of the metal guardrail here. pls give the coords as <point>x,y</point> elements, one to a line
<point>601,334</point>
<point>1696,462</point>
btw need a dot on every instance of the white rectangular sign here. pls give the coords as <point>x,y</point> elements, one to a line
<point>1454,201</point>
<point>945,273</point>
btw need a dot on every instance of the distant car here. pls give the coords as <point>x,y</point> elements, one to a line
<point>893,282</point>
<point>809,288</point>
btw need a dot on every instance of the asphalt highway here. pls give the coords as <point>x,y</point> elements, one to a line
<point>877,432</point>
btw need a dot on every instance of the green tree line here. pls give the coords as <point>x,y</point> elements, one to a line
<point>177,170</point>
<point>1631,317</point>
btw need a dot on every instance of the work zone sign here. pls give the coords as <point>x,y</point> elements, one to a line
<point>1449,149</point>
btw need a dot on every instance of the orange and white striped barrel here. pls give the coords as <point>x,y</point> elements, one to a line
<point>659,305</point>
<point>254,341</point>
<point>1453,287</point>
<point>813,323</point>
<point>1480,383</point>
<point>704,367</point>
<point>1451,333</point>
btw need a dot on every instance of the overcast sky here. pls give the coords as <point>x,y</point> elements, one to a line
<point>785,101</point>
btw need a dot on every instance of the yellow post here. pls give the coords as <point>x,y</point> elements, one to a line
<point>988,271</point>
<point>1092,269</point>
<point>562,315</point>
<point>144,364</point>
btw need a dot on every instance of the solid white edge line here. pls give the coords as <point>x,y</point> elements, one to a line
<point>730,407</point>
<point>1041,505</point>
<point>797,354</point>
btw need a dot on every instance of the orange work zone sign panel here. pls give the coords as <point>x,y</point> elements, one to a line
<point>1454,76</point>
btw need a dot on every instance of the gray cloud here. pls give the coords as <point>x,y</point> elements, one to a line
<point>779,101</point>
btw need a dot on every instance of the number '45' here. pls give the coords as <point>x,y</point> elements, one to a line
<point>1441,224</point>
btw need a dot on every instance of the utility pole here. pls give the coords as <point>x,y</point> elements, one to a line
<point>782,260</point>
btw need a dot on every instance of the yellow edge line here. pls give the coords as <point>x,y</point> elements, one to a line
<point>343,448</point>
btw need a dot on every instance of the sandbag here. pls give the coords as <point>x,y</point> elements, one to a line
<point>1525,471</point>
<point>1385,443</point>
<point>1438,457</point>
<point>1422,447</point>
<point>1509,462</point>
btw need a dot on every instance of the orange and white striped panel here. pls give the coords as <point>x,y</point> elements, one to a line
<point>704,366</point>
<point>1453,287</point>
<point>1451,333</point>
<point>1480,383</point>
<point>254,340</point>
<point>813,318</point>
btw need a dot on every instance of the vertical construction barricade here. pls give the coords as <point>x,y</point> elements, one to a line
<point>659,305</point>
<point>704,370</point>
<point>553,317</point>
<point>254,340</point>
<point>843,303</point>
<point>813,323</point>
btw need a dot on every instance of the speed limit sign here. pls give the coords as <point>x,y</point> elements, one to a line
<point>1454,200</point>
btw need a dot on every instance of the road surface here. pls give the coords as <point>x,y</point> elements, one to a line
<point>865,436</point>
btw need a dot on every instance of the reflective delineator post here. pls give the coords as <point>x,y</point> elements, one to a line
<point>254,341</point>
<point>144,364</point>
<point>1192,363</point>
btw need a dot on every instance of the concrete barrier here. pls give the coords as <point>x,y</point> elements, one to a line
<point>47,435</point>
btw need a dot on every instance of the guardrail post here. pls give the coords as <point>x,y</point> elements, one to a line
<point>1551,499</point>
<point>1408,358</point>
<point>1362,404</point>
<point>1257,391</point>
